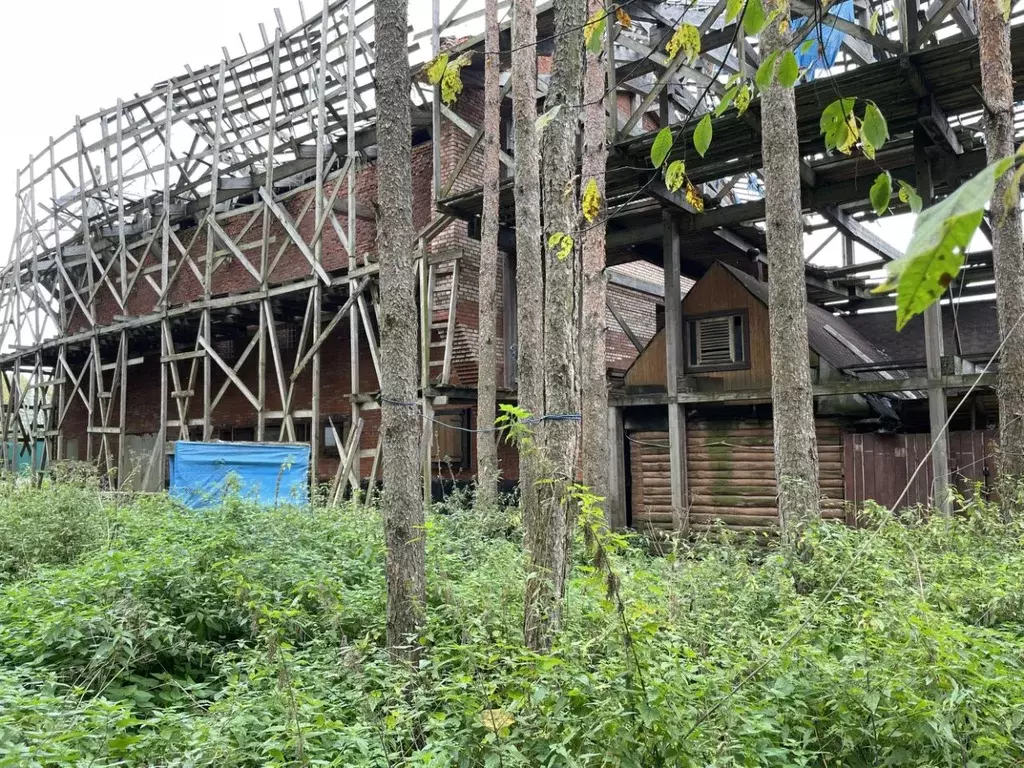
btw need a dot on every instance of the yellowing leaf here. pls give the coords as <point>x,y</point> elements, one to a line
<point>675,176</point>
<point>547,117</point>
<point>662,146</point>
<point>908,195</point>
<point>840,126</point>
<point>851,136</point>
<point>937,247</point>
<point>702,135</point>
<point>743,98</point>
<point>496,720</point>
<point>594,29</point>
<point>694,198</point>
<point>561,244</point>
<point>873,24</point>
<point>591,201</point>
<point>881,193</point>
<point>451,81</point>
<point>623,18</point>
<point>686,38</point>
<point>436,68</point>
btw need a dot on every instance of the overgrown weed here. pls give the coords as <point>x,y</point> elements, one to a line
<point>144,634</point>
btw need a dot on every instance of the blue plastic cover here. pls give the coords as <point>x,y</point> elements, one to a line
<point>202,474</point>
<point>22,460</point>
<point>812,58</point>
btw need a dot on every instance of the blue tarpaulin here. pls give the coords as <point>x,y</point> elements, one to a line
<point>202,474</point>
<point>21,459</point>
<point>812,58</point>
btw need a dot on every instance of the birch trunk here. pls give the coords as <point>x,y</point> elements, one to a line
<point>796,452</point>
<point>487,371</point>
<point>594,323</point>
<point>402,500</point>
<point>550,533</point>
<point>1007,248</point>
<point>529,255</point>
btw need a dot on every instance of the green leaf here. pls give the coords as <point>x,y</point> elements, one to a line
<point>941,236</point>
<point>908,194</point>
<point>662,146</point>
<point>766,71</point>
<point>675,175</point>
<point>732,10</point>
<point>789,70</point>
<point>702,136</point>
<point>727,99</point>
<point>807,46</point>
<point>881,193</point>
<point>754,19</point>
<point>547,117</point>
<point>593,32</point>
<point>874,130</point>
<point>835,124</point>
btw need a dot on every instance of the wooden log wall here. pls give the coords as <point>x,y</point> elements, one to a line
<point>730,475</point>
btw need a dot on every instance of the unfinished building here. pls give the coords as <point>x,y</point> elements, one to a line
<point>197,263</point>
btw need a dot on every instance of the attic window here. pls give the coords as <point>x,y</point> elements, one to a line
<point>717,342</point>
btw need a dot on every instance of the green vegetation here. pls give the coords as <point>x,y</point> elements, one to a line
<point>143,634</point>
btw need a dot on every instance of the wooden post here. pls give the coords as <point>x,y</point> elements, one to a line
<point>673,368</point>
<point>615,506</point>
<point>933,347</point>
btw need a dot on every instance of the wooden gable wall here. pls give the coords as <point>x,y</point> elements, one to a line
<point>717,291</point>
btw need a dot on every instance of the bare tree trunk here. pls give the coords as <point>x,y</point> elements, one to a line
<point>1007,248</point>
<point>796,451</point>
<point>487,366</point>
<point>594,324</point>
<point>402,501</point>
<point>529,255</point>
<point>549,533</point>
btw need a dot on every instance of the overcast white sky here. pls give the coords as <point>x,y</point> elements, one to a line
<point>62,58</point>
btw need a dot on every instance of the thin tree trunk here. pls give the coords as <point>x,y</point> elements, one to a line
<point>796,451</point>
<point>549,533</point>
<point>402,501</point>
<point>594,317</point>
<point>529,256</point>
<point>1007,248</point>
<point>487,370</point>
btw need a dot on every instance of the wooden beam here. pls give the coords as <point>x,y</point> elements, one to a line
<point>633,338</point>
<point>831,389</point>
<point>860,233</point>
<point>673,368</point>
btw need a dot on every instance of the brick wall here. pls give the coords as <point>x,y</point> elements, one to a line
<point>245,224</point>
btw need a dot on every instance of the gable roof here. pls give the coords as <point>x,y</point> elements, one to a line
<point>831,337</point>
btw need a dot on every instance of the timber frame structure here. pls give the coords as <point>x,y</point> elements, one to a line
<point>224,168</point>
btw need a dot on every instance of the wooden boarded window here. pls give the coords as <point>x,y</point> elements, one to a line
<point>450,441</point>
<point>717,342</point>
